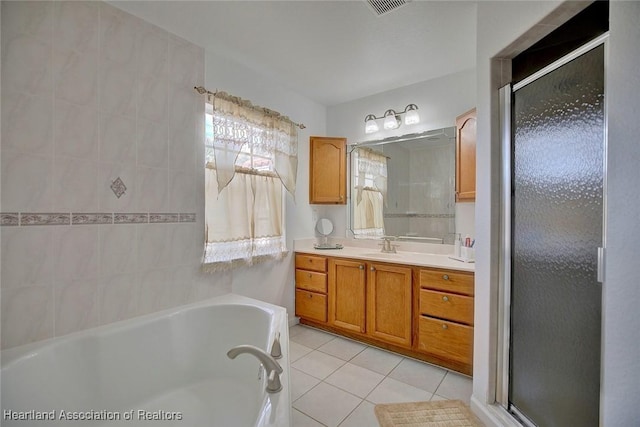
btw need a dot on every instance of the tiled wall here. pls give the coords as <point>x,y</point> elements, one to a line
<point>91,94</point>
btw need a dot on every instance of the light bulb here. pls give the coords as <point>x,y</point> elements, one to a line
<point>390,120</point>
<point>370,125</point>
<point>412,117</point>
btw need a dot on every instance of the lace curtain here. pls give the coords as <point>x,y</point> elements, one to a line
<point>370,192</point>
<point>251,154</point>
<point>236,123</point>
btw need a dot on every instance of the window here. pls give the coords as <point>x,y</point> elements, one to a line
<point>250,155</point>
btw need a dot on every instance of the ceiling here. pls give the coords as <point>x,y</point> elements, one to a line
<point>329,51</point>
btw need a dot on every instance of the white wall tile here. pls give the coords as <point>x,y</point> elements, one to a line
<point>76,131</point>
<point>118,249</point>
<point>75,185</point>
<point>32,18</point>
<point>76,76</point>
<point>27,315</point>
<point>76,306</point>
<point>154,250</point>
<point>182,191</point>
<point>153,98</point>
<point>155,290</point>
<point>19,129</point>
<point>153,50</point>
<point>152,144</point>
<point>76,25</point>
<point>104,85</point>
<point>118,88</point>
<point>26,256</point>
<point>26,64</point>
<point>182,56</point>
<point>117,139</point>
<point>26,182</point>
<point>118,32</point>
<point>76,253</point>
<point>119,297</point>
<point>153,189</point>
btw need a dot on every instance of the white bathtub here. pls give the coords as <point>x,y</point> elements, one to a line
<point>169,367</point>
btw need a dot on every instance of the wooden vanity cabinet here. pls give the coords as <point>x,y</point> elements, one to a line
<point>389,303</point>
<point>311,287</point>
<point>445,316</point>
<point>420,312</point>
<point>347,294</point>
<point>327,170</point>
<point>466,157</point>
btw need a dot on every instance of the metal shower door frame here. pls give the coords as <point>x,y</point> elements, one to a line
<point>505,250</point>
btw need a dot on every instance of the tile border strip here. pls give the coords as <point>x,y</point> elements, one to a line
<point>16,219</point>
<point>10,219</point>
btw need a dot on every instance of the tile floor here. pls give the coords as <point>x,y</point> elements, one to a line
<point>337,382</point>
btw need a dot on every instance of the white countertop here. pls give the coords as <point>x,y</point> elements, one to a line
<point>421,259</point>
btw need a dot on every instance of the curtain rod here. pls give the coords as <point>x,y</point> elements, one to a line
<point>202,91</point>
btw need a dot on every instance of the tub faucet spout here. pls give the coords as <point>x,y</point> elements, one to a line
<point>270,364</point>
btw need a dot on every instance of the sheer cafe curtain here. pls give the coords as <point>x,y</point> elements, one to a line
<point>370,193</point>
<point>251,153</point>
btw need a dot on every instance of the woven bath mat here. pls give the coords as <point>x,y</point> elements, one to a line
<point>441,413</point>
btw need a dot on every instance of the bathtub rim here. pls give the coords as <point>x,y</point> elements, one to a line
<point>14,354</point>
<point>277,412</point>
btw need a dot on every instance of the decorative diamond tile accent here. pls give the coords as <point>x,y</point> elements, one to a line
<point>118,187</point>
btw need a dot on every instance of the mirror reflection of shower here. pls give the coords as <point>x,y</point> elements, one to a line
<point>405,187</point>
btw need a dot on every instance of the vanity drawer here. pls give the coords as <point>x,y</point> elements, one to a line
<point>447,340</point>
<point>311,305</point>
<point>448,281</point>
<point>310,262</point>
<point>311,280</point>
<point>443,305</point>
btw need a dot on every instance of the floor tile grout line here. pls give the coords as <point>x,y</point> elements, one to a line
<point>441,381</point>
<point>307,415</point>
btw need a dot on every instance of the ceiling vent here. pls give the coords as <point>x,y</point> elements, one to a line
<point>382,7</point>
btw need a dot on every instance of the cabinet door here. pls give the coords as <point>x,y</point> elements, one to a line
<point>347,294</point>
<point>466,157</point>
<point>328,170</point>
<point>389,303</point>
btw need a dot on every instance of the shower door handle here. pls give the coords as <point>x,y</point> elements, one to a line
<point>601,265</point>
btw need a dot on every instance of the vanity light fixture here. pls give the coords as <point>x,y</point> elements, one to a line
<point>392,119</point>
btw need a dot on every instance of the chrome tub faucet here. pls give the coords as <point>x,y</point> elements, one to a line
<point>270,364</point>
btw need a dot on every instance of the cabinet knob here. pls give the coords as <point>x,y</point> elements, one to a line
<point>361,267</point>
<point>310,296</point>
<point>445,298</point>
<point>445,276</point>
<point>444,326</point>
<point>309,275</point>
<point>373,268</point>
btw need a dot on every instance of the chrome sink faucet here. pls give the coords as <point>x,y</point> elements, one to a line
<point>270,364</point>
<point>387,247</point>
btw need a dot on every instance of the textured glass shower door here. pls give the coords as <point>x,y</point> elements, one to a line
<point>557,227</point>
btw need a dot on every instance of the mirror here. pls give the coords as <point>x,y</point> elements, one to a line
<point>324,227</point>
<point>404,187</point>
